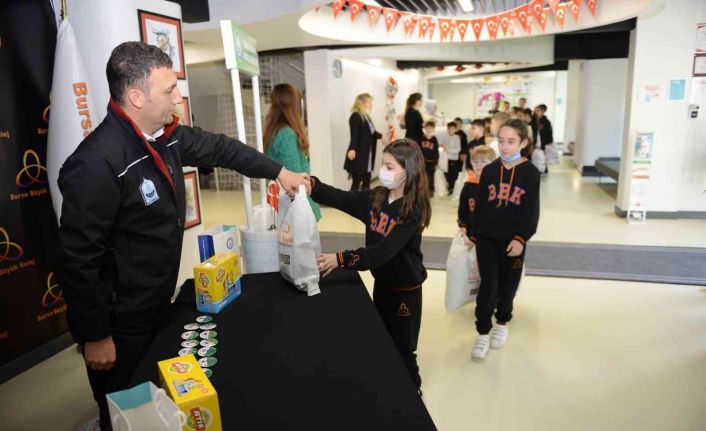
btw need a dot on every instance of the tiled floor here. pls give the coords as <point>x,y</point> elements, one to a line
<point>582,354</point>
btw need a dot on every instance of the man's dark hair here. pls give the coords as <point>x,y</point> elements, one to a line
<point>458,120</point>
<point>451,124</point>
<point>543,107</point>
<point>430,124</point>
<point>130,65</point>
<point>478,123</point>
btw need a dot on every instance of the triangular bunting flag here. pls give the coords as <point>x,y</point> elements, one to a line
<point>477,26</point>
<point>445,26</point>
<point>536,7</point>
<point>554,5</point>
<point>354,8</point>
<point>522,14</point>
<point>591,6</point>
<point>424,22</point>
<point>462,26</point>
<point>560,14</point>
<point>543,18</point>
<point>337,6</point>
<point>391,18</point>
<point>491,23</point>
<point>409,20</point>
<point>373,14</point>
<point>432,26</point>
<point>575,9</point>
<point>505,19</point>
<point>511,27</point>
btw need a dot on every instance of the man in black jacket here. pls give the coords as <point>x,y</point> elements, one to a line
<point>122,220</point>
<point>542,127</point>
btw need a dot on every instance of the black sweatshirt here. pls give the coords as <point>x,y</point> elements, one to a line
<point>414,125</point>
<point>430,150</point>
<point>392,249</point>
<point>507,208</point>
<point>464,141</point>
<point>467,203</point>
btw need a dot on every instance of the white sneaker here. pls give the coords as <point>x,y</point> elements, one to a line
<point>92,425</point>
<point>480,348</point>
<point>498,336</point>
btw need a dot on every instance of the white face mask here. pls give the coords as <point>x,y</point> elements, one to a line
<point>387,178</point>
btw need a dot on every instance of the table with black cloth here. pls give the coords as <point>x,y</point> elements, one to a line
<point>291,362</point>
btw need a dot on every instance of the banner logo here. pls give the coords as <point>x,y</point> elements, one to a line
<point>31,170</point>
<point>9,250</point>
<point>54,294</point>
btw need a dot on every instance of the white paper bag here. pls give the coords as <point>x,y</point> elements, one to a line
<point>538,159</point>
<point>144,407</point>
<point>551,155</point>
<point>462,277</point>
<point>458,185</point>
<point>300,245</point>
<point>440,187</point>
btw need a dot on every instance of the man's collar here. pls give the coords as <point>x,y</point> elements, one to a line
<point>153,138</point>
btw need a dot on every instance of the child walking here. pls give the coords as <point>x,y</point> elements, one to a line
<point>395,216</point>
<point>506,217</point>
<point>481,156</point>
<point>430,150</point>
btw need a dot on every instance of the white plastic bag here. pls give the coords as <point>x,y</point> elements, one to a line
<point>462,277</point>
<point>458,185</point>
<point>300,245</point>
<point>441,189</point>
<point>443,160</point>
<point>538,159</point>
<point>551,155</point>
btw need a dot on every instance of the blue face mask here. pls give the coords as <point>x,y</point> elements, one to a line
<point>513,158</point>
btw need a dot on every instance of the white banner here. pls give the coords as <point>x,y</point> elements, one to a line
<point>70,119</point>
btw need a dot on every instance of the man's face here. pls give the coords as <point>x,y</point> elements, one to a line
<point>522,102</point>
<point>538,112</point>
<point>161,98</point>
<point>162,40</point>
<point>477,131</point>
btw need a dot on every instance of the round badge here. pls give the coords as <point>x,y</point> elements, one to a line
<point>189,343</point>
<point>207,371</point>
<point>209,335</point>
<point>190,335</point>
<point>207,326</point>
<point>187,351</point>
<point>207,351</point>
<point>204,319</point>
<point>191,327</point>
<point>208,361</point>
<point>208,343</point>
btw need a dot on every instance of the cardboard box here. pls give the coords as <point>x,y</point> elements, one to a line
<point>185,383</point>
<point>217,282</point>
<point>222,239</point>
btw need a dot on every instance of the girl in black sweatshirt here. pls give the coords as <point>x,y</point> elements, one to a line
<point>395,216</point>
<point>506,217</point>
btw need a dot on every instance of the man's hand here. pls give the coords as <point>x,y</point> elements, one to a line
<point>100,355</point>
<point>327,263</point>
<point>290,181</point>
<point>514,249</point>
<point>351,154</point>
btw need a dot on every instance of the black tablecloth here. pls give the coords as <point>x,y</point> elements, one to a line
<point>291,362</point>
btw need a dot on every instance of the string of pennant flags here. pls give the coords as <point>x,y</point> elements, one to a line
<point>425,26</point>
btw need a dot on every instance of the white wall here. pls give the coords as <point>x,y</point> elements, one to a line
<point>664,47</point>
<point>454,100</point>
<point>573,100</point>
<point>329,100</point>
<point>602,110</point>
<point>560,94</point>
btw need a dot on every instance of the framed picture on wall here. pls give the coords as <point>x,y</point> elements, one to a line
<point>699,65</point>
<point>193,204</point>
<point>165,33</point>
<point>184,112</point>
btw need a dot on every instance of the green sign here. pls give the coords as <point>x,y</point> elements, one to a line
<point>240,49</point>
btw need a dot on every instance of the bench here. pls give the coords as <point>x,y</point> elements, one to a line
<point>608,166</point>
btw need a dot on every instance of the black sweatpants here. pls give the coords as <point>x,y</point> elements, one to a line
<point>430,168</point>
<point>452,174</point>
<point>361,181</point>
<point>132,334</point>
<point>401,311</point>
<point>499,278</point>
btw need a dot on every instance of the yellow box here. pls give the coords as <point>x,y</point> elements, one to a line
<point>217,282</point>
<point>185,382</point>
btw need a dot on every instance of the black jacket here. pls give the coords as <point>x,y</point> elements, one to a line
<point>364,142</point>
<point>467,203</point>
<point>507,202</point>
<point>122,220</point>
<point>543,128</point>
<point>392,249</point>
<point>430,150</point>
<point>414,125</point>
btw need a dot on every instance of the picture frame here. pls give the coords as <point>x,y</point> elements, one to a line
<point>193,203</point>
<point>164,32</point>
<point>699,68</point>
<point>183,111</point>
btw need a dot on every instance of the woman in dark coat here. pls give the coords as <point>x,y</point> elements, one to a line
<point>360,157</point>
<point>413,122</point>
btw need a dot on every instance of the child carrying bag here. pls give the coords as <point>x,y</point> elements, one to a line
<point>462,277</point>
<point>300,245</point>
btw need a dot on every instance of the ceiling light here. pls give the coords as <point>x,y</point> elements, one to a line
<point>466,5</point>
